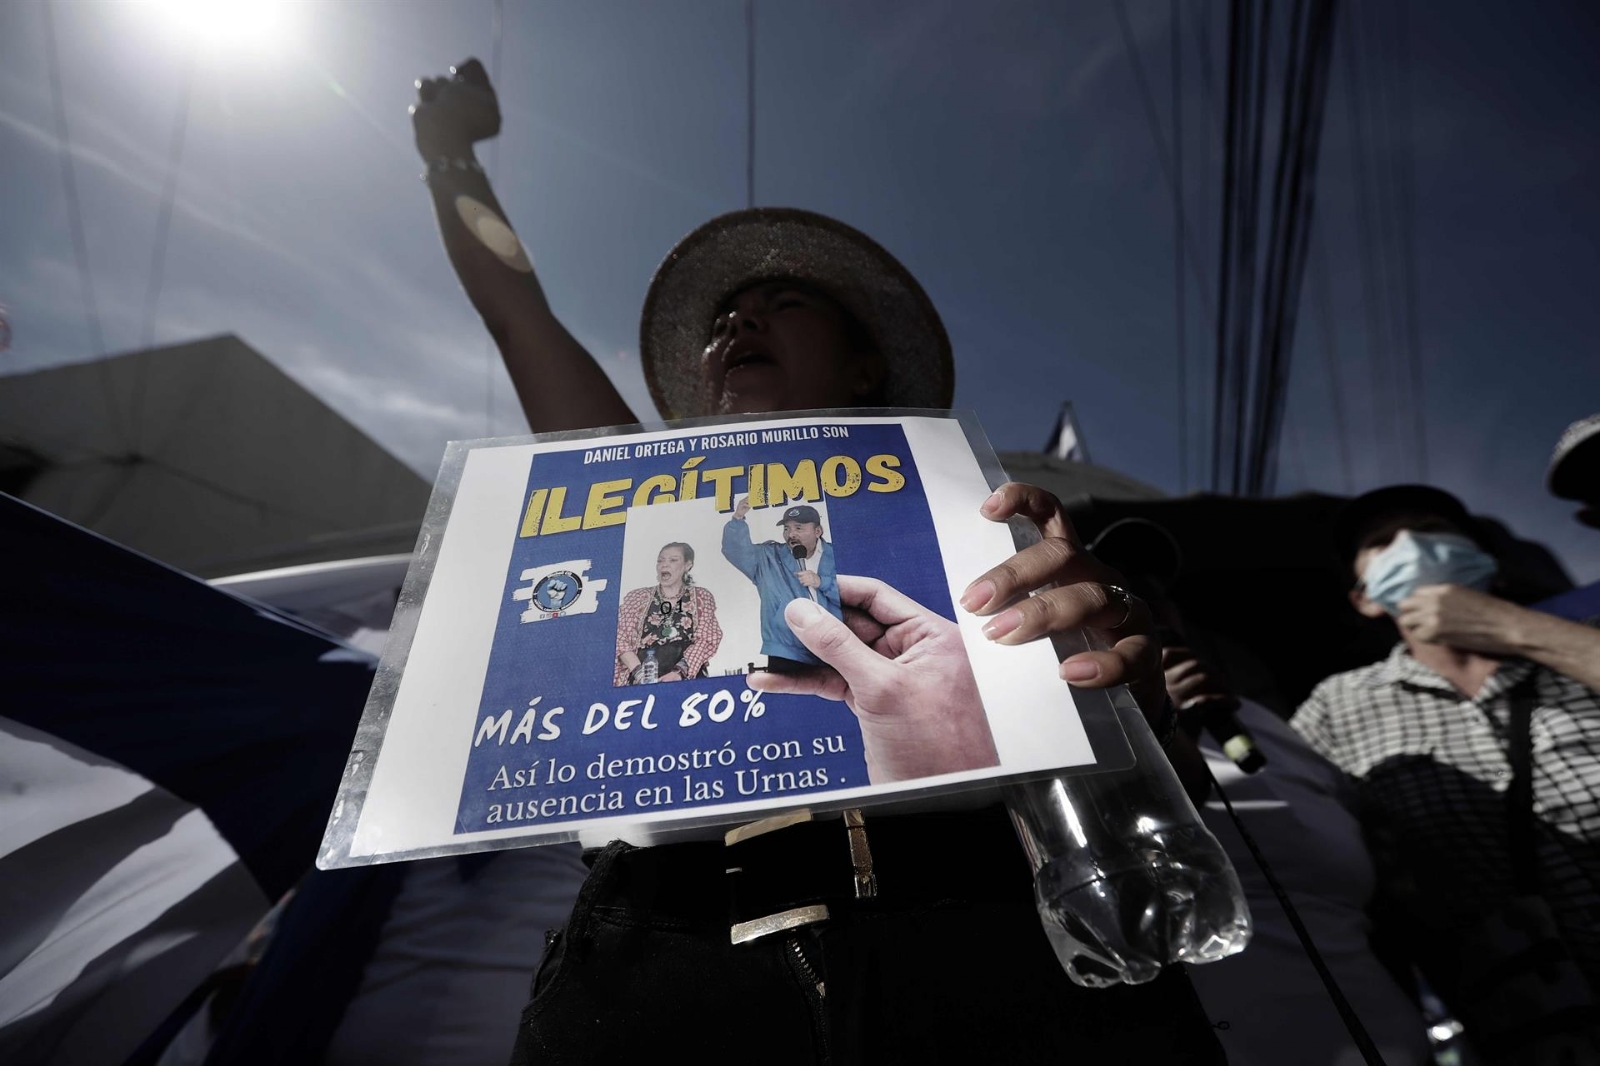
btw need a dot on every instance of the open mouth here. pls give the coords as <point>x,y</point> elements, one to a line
<point>745,357</point>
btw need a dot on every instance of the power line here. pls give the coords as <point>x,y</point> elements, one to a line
<point>1260,291</point>
<point>1308,141</point>
<point>1377,344</point>
<point>1330,354</point>
<point>749,103</point>
<point>1392,308</point>
<point>1177,254</point>
<point>158,254</point>
<point>1282,216</point>
<point>1237,17</point>
<point>1255,52</point>
<point>1408,224</point>
<point>497,18</point>
<point>1389,92</point>
<point>69,184</point>
<point>80,243</point>
<point>1153,121</point>
<point>1249,227</point>
<point>1203,42</point>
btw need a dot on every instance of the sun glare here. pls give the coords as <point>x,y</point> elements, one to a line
<point>231,26</point>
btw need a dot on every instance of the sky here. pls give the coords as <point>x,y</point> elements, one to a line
<point>1002,151</point>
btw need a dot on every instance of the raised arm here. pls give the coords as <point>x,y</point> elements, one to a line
<point>559,383</point>
<point>737,546</point>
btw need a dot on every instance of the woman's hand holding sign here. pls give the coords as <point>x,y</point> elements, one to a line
<point>904,672</point>
<point>1080,591</point>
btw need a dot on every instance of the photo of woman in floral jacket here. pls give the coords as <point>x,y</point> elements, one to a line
<point>676,619</point>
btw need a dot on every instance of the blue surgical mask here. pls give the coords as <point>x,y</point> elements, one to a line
<point>1414,560</point>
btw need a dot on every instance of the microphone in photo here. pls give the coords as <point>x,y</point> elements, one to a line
<point>799,552</point>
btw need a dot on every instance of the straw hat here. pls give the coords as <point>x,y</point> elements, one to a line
<point>744,248</point>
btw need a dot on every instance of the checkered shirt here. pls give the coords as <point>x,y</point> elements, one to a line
<point>1433,769</point>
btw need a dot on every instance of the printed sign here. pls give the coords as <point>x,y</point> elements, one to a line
<point>646,634</point>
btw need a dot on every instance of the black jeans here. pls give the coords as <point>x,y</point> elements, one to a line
<point>947,964</point>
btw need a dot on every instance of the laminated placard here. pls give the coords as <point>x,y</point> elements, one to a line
<point>649,632</point>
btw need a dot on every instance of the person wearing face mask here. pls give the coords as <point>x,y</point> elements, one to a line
<point>1428,734</point>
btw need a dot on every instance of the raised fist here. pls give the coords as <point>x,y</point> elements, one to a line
<point>743,508</point>
<point>452,114</point>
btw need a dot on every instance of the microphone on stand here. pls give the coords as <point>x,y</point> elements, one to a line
<point>1219,717</point>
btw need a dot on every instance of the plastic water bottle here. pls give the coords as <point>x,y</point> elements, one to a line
<point>1127,879</point>
<point>649,670</point>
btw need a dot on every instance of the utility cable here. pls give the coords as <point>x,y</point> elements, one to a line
<point>1208,224</point>
<point>1330,360</point>
<point>1248,254</point>
<point>1304,99</point>
<point>1180,297</point>
<point>749,103</point>
<point>1153,122</point>
<point>1237,17</point>
<point>1383,429</point>
<point>80,242</point>
<point>1330,984</point>
<point>1406,155</point>
<point>69,184</point>
<point>158,254</point>
<point>1280,220</point>
<point>1309,143</point>
<point>1377,77</point>
<point>497,20</point>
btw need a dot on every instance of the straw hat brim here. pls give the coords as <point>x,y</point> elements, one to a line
<point>743,248</point>
<point>1574,472</point>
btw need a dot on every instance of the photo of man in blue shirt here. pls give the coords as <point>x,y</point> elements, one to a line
<point>798,567</point>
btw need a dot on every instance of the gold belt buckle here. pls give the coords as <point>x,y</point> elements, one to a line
<point>866,881</point>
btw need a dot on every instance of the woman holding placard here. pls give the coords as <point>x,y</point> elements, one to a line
<point>770,310</point>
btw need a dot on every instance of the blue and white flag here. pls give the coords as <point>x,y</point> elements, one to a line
<point>168,754</point>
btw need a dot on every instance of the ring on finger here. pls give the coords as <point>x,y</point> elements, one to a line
<point>1127,599</point>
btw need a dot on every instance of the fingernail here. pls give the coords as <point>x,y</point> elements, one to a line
<point>1002,624</point>
<point>993,502</point>
<point>978,593</point>
<point>1079,671</point>
<point>802,613</point>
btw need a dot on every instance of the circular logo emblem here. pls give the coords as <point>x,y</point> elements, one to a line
<point>558,591</point>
